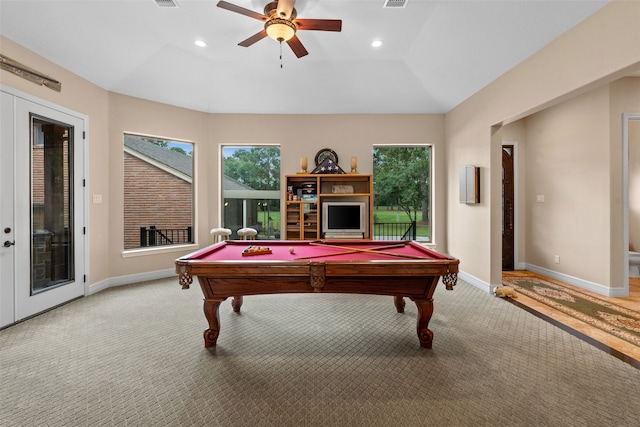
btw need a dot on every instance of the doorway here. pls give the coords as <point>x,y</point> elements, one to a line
<point>508,208</point>
<point>631,203</point>
<point>42,249</point>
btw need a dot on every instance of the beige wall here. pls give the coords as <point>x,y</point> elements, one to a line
<point>574,159</point>
<point>348,135</point>
<point>297,135</point>
<point>137,116</point>
<point>567,163</point>
<point>601,49</point>
<point>625,98</point>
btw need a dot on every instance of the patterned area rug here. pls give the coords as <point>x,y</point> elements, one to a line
<point>611,318</point>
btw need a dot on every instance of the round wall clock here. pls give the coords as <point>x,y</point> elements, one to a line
<point>326,153</point>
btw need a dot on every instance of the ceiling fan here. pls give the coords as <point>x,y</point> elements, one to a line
<point>281,23</point>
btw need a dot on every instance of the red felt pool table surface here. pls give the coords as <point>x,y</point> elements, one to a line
<point>396,268</point>
<point>363,250</point>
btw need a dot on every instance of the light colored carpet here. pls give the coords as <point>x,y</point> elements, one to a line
<point>133,356</point>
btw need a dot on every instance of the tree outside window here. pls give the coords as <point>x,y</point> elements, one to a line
<point>251,189</point>
<point>402,187</point>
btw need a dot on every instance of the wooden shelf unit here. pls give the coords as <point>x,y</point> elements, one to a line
<point>303,217</point>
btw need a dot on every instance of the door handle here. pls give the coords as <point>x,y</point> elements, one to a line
<point>8,243</point>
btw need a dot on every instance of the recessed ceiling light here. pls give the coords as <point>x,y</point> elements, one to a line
<point>200,43</point>
<point>376,43</point>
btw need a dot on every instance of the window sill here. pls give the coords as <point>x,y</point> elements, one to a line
<point>130,253</point>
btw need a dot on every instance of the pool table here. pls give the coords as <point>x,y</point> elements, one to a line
<point>396,268</point>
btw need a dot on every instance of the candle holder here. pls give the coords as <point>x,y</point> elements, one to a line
<point>303,165</point>
<point>354,165</point>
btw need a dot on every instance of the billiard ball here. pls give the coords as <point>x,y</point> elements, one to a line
<point>291,250</point>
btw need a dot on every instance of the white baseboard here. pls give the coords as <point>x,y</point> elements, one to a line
<point>584,284</point>
<point>132,278</point>
<point>474,281</point>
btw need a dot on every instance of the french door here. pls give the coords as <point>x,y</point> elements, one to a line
<point>42,217</point>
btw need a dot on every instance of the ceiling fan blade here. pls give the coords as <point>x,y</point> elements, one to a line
<point>242,11</point>
<point>254,38</point>
<point>319,24</point>
<point>285,7</point>
<point>297,47</point>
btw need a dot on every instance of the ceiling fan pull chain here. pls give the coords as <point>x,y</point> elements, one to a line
<point>280,53</point>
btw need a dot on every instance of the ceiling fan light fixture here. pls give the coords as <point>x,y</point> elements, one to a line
<point>280,29</point>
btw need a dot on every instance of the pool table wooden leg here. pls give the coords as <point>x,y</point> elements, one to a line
<point>212,314</point>
<point>425,310</point>
<point>399,303</point>
<point>236,303</point>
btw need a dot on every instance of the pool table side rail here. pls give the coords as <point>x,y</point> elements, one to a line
<point>411,287</point>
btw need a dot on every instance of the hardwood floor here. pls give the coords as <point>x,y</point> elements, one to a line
<point>616,344</point>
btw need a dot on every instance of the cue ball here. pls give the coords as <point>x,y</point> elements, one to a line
<point>291,250</point>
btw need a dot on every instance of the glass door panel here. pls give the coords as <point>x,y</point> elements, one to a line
<point>52,231</point>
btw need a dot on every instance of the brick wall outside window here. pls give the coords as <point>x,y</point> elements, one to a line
<point>153,196</point>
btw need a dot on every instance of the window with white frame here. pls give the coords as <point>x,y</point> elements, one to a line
<point>251,189</point>
<point>402,183</point>
<point>158,192</point>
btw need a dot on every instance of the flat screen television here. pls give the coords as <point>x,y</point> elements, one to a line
<point>344,219</point>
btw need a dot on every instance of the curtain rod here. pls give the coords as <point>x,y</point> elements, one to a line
<point>30,74</point>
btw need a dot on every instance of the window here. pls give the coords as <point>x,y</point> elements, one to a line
<point>251,189</point>
<point>158,192</point>
<point>402,186</point>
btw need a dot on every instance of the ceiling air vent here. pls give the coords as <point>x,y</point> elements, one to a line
<point>166,3</point>
<point>395,4</point>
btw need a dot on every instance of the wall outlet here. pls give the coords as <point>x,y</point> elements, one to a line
<point>97,198</point>
<point>556,258</point>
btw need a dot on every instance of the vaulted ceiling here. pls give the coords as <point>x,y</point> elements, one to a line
<point>434,54</point>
